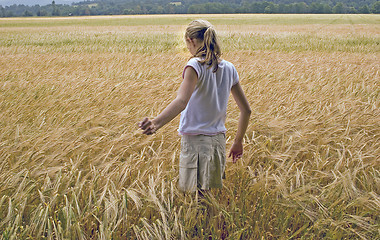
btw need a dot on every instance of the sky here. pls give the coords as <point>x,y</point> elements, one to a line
<point>34,2</point>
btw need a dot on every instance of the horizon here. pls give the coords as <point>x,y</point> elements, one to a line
<point>7,3</point>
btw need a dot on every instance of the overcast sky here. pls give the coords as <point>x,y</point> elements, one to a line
<point>34,2</point>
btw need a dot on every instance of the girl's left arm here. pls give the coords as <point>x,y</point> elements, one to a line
<point>245,112</point>
<point>175,107</point>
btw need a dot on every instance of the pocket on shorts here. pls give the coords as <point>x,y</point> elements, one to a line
<point>188,156</point>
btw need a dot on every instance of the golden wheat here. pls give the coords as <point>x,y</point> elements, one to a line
<point>75,166</point>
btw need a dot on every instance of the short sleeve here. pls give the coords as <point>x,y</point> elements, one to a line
<point>235,76</point>
<point>195,65</point>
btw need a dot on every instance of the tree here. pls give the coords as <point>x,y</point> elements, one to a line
<point>300,7</point>
<point>55,9</point>
<point>114,7</point>
<point>316,8</point>
<point>376,7</point>
<point>339,8</point>
<point>28,13</point>
<point>351,10</point>
<point>9,14</point>
<point>41,13</point>
<point>364,9</point>
<point>128,11</point>
<point>87,11</point>
<point>271,8</point>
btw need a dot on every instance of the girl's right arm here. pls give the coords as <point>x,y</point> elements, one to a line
<point>245,112</point>
<point>185,91</point>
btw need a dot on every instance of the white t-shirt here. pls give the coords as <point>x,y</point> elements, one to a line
<point>207,108</point>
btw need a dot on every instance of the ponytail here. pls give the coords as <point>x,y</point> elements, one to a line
<point>210,50</point>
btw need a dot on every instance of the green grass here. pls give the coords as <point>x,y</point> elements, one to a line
<point>66,42</point>
<point>243,19</point>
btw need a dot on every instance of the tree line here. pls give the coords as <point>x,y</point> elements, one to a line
<point>130,7</point>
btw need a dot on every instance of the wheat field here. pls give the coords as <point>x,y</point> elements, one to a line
<point>75,166</point>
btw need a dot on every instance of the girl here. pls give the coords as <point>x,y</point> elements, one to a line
<point>202,101</point>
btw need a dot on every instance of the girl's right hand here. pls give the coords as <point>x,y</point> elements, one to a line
<point>148,126</point>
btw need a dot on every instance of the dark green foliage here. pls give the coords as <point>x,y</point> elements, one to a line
<point>130,7</point>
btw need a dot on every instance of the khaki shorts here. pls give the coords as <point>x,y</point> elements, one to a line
<point>202,162</point>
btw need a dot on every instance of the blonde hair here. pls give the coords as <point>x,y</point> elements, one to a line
<point>210,49</point>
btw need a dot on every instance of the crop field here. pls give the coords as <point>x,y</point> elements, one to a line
<point>74,165</point>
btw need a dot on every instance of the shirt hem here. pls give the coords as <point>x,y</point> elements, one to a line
<point>200,133</point>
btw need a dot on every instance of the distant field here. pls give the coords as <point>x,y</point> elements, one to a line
<point>230,19</point>
<point>74,165</point>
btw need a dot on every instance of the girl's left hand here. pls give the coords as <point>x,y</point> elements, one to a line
<point>148,126</point>
<point>236,151</point>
